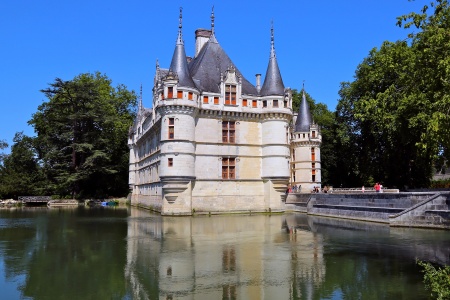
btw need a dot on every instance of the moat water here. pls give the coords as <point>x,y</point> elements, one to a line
<point>126,253</point>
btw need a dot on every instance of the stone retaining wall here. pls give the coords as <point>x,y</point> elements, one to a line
<point>397,209</point>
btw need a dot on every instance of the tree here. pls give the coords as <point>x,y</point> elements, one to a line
<point>3,145</point>
<point>20,173</point>
<point>395,114</point>
<point>82,136</point>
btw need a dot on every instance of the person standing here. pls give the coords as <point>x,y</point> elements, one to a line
<point>377,187</point>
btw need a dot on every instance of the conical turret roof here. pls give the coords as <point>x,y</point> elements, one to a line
<point>273,83</point>
<point>179,64</point>
<point>304,119</point>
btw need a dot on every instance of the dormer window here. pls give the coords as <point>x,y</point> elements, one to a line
<point>230,94</point>
<point>170,92</point>
<point>275,103</point>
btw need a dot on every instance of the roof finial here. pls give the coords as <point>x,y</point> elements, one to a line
<point>212,20</point>
<point>303,85</point>
<point>272,41</point>
<point>180,39</point>
<point>140,99</point>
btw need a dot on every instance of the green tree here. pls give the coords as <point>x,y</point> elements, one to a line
<point>3,145</point>
<point>432,70</point>
<point>395,114</point>
<point>20,173</point>
<point>82,136</point>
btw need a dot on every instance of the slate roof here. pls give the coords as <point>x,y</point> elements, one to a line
<point>207,67</point>
<point>273,83</point>
<point>304,119</point>
<point>179,64</point>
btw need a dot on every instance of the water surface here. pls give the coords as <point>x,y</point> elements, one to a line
<point>123,253</point>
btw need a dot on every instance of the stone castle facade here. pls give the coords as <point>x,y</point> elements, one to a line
<point>213,142</point>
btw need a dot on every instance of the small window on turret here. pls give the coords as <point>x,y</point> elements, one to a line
<point>264,103</point>
<point>180,94</point>
<point>170,92</point>
<point>216,100</point>
<point>170,162</point>
<point>313,134</point>
<point>190,95</point>
<point>244,102</point>
<point>285,104</point>
<point>205,99</point>
<point>171,128</point>
<point>275,103</point>
<point>254,103</point>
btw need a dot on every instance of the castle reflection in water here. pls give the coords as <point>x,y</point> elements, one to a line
<point>228,257</point>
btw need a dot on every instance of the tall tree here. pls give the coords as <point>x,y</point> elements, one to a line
<point>20,173</point>
<point>396,111</point>
<point>3,145</point>
<point>82,135</point>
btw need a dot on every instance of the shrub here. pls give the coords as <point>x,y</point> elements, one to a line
<point>437,280</point>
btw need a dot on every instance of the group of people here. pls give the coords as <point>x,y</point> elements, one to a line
<point>294,189</point>
<point>378,187</point>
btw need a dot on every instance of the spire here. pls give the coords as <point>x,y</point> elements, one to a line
<point>212,38</point>
<point>304,120</point>
<point>273,83</point>
<point>212,21</point>
<point>140,99</point>
<point>179,62</point>
<point>180,26</point>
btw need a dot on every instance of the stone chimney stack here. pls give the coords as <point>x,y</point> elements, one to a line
<point>258,82</point>
<point>201,37</point>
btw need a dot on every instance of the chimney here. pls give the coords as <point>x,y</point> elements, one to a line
<point>258,82</point>
<point>201,37</point>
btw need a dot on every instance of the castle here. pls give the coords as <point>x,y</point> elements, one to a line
<point>213,142</point>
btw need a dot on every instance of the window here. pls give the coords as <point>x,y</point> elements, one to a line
<point>285,104</point>
<point>264,103</point>
<point>170,92</point>
<point>313,178</point>
<point>205,99</point>
<point>228,131</point>
<point>170,162</point>
<point>293,154</point>
<point>216,100</point>
<point>171,128</point>
<point>313,154</point>
<point>313,134</point>
<point>190,95</point>
<point>244,102</point>
<point>230,94</point>
<point>275,103</point>
<point>180,94</point>
<point>228,168</point>
<point>313,165</point>
<point>254,103</point>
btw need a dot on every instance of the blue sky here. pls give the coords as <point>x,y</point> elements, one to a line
<point>319,42</point>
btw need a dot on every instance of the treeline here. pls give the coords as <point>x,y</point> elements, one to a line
<point>80,149</point>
